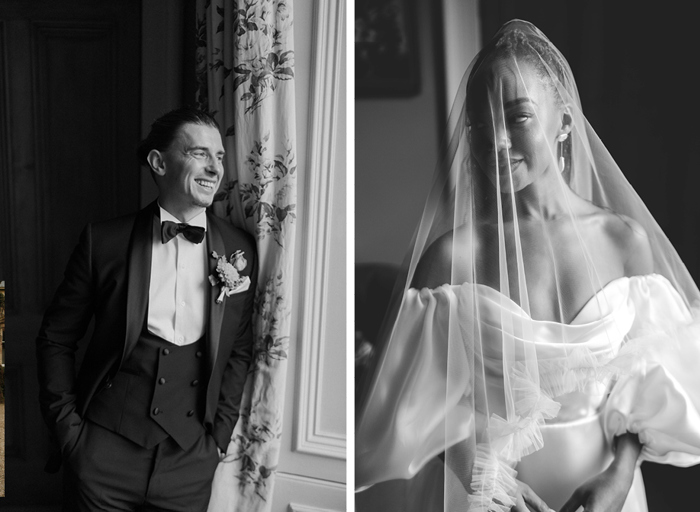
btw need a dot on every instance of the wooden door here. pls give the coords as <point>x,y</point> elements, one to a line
<point>69,126</point>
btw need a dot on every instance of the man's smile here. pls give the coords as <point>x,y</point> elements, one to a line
<point>210,185</point>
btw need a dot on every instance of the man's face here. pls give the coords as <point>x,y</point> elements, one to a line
<point>193,168</point>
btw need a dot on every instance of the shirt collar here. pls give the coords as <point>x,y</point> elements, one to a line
<point>199,220</point>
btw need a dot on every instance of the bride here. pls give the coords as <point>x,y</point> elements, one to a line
<point>539,349</point>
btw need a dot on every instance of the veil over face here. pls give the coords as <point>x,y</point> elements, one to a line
<point>528,225</point>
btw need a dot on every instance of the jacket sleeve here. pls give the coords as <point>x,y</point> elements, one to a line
<point>63,326</point>
<point>236,371</point>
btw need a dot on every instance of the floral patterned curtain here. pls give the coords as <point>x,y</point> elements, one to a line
<point>245,72</point>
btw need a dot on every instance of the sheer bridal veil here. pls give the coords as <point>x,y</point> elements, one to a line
<point>527,228</point>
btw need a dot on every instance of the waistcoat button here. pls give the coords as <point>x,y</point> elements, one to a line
<point>199,353</point>
<point>195,382</point>
<point>166,351</point>
<point>156,411</point>
<point>161,380</point>
<point>190,413</point>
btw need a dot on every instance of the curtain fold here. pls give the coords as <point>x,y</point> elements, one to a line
<point>245,74</point>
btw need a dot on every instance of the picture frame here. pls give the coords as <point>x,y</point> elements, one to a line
<point>386,49</point>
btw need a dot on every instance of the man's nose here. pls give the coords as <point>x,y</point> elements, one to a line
<point>214,166</point>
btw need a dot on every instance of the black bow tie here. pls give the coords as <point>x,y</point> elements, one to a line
<point>169,230</point>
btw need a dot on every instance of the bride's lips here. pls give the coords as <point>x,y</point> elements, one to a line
<point>508,165</point>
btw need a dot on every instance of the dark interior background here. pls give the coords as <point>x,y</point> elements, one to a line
<point>80,83</point>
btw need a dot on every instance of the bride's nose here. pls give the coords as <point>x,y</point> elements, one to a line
<point>498,139</point>
<point>502,138</point>
<point>500,133</point>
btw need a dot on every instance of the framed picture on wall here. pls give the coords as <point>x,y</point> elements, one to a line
<point>386,49</point>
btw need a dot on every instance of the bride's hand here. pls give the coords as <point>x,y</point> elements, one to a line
<point>526,497</point>
<point>603,493</point>
<point>608,491</point>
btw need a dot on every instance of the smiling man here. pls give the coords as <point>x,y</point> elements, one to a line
<point>144,421</point>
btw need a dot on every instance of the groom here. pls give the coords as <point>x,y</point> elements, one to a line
<point>144,421</point>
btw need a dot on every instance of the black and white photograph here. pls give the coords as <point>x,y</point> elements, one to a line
<point>173,193</point>
<point>349,255</point>
<point>526,264</point>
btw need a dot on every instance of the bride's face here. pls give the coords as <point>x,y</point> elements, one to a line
<point>514,122</point>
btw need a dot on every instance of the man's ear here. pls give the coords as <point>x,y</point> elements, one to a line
<point>156,161</point>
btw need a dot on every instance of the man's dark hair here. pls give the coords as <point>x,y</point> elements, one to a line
<point>165,128</point>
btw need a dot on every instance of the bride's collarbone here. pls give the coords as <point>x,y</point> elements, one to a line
<point>561,261</point>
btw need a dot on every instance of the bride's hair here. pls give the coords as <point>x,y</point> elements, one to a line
<point>518,43</point>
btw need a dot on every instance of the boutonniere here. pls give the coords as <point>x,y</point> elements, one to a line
<point>227,275</point>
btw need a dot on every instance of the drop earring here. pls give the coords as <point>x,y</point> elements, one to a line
<point>561,139</point>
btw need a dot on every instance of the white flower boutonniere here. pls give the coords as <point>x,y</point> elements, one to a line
<point>227,275</point>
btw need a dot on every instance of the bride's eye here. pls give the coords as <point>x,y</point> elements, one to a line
<point>519,118</point>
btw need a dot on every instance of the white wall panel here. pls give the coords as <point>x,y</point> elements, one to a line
<point>311,474</point>
<point>320,424</point>
<point>294,493</point>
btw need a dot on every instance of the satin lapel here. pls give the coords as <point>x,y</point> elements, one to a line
<point>139,276</point>
<point>215,242</point>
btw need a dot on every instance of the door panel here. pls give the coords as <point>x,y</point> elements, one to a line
<point>69,126</point>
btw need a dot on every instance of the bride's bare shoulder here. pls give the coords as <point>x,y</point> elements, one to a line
<point>435,265</point>
<point>632,241</point>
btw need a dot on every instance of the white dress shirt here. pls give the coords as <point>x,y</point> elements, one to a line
<point>179,287</point>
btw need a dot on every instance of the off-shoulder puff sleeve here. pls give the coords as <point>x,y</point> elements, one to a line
<point>403,424</point>
<point>658,398</point>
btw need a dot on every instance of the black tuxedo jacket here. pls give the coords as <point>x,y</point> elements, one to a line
<point>108,278</point>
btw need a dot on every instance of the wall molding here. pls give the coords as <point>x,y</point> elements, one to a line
<point>295,507</point>
<point>310,437</point>
<point>299,481</point>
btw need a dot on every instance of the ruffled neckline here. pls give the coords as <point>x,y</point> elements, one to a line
<point>615,291</point>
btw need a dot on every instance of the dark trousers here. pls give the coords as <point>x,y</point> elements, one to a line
<point>106,471</point>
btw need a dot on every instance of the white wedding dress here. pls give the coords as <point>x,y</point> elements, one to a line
<point>629,364</point>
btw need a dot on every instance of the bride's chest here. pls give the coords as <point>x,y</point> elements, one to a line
<point>551,276</point>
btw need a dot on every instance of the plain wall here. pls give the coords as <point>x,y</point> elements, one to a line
<point>396,143</point>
